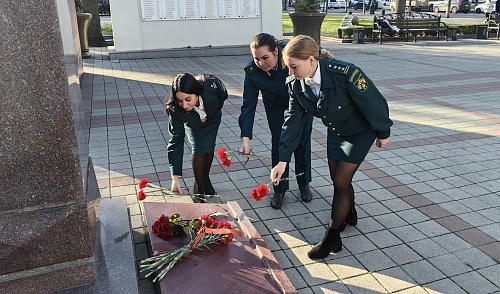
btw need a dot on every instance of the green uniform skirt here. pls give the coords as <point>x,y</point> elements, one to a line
<point>352,149</point>
<point>203,140</point>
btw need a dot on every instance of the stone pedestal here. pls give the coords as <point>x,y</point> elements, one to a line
<point>46,224</point>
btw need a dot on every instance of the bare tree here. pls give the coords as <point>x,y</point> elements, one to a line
<point>94,31</point>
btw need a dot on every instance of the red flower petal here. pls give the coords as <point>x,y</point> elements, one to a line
<point>226,162</point>
<point>262,190</point>
<point>143,183</point>
<point>141,196</point>
<point>221,153</point>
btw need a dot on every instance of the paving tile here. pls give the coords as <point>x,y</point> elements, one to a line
<point>417,200</point>
<point>330,288</point>
<point>345,267</point>
<point>450,264</point>
<point>427,248</point>
<point>475,237</point>
<point>412,216</point>
<point>367,224</point>
<point>475,258</point>
<point>375,260</point>
<point>374,208</point>
<point>364,284</point>
<point>492,274</point>
<point>304,221</point>
<point>290,239</point>
<point>317,273</point>
<point>492,250</point>
<point>358,244</point>
<point>451,242</point>
<point>394,279</point>
<point>473,282</point>
<point>444,286</point>
<point>383,239</point>
<point>402,254</point>
<point>423,272</point>
<point>408,233</point>
<point>296,278</point>
<point>475,219</point>
<point>431,228</point>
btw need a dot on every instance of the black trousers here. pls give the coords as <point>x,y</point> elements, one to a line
<point>302,155</point>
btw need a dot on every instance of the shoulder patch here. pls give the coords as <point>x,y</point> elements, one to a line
<point>289,79</point>
<point>358,79</point>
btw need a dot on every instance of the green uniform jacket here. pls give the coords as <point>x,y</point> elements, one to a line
<point>272,86</point>
<point>214,95</point>
<point>348,104</point>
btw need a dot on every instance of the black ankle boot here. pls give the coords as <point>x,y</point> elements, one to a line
<point>209,189</point>
<point>198,194</point>
<point>331,243</point>
<point>277,200</point>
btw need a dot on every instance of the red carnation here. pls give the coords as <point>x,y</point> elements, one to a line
<point>228,237</point>
<point>255,196</point>
<point>262,190</point>
<point>143,183</point>
<point>221,153</point>
<point>226,162</point>
<point>163,228</point>
<point>141,195</point>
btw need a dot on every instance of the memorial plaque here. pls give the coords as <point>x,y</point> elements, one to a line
<point>245,265</point>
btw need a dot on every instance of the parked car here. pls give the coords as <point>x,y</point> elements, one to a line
<point>359,4</point>
<point>342,3</point>
<point>456,6</point>
<point>480,7</point>
<point>333,4</point>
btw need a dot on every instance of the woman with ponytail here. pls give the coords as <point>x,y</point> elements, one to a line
<point>355,114</point>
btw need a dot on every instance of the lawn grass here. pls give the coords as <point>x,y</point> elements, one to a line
<point>107,30</point>
<point>330,25</point>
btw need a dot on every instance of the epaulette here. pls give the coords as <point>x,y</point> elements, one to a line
<point>251,67</point>
<point>289,79</point>
<point>340,67</point>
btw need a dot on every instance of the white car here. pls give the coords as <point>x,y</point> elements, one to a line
<point>480,8</point>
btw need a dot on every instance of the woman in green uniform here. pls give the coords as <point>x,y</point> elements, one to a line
<point>194,110</point>
<point>267,74</point>
<point>351,107</point>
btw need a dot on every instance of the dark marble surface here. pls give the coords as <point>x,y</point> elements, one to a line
<point>114,252</point>
<point>45,225</point>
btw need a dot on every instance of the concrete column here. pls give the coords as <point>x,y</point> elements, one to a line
<point>46,218</point>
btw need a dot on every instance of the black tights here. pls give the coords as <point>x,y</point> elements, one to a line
<point>201,169</point>
<point>341,173</point>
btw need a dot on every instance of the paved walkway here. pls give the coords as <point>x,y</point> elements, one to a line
<point>429,204</point>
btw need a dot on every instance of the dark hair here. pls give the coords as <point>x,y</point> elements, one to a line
<point>188,84</point>
<point>264,39</point>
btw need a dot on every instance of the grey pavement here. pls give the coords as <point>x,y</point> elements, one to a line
<point>429,203</point>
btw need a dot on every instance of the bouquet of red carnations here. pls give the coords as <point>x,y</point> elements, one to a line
<point>207,231</point>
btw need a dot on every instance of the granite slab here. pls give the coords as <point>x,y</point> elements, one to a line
<point>245,265</point>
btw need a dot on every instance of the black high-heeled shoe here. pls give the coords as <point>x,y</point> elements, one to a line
<point>331,243</point>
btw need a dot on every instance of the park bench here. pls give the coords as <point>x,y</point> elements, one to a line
<point>408,23</point>
<point>347,21</point>
<point>493,24</point>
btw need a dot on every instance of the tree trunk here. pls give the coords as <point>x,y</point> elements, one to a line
<point>94,31</point>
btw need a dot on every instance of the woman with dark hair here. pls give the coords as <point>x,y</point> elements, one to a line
<point>266,74</point>
<point>194,110</point>
<point>352,109</point>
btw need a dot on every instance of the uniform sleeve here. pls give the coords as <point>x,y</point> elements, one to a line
<point>370,102</point>
<point>221,93</point>
<point>175,147</point>
<point>295,121</point>
<point>247,116</point>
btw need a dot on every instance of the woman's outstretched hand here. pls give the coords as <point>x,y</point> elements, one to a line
<point>381,142</point>
<point>277,171</point>
<point>176,185</point>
